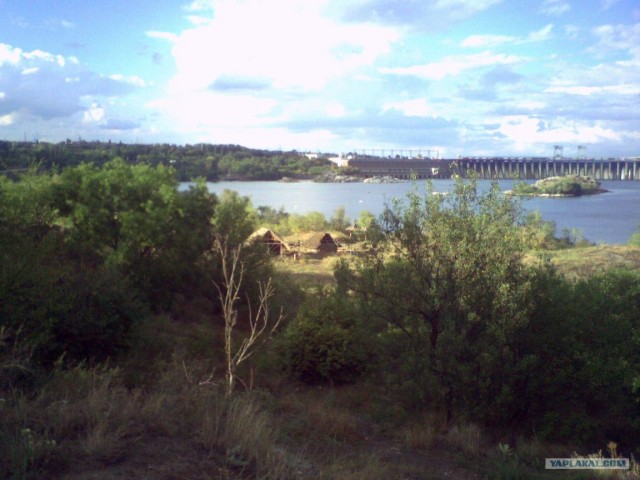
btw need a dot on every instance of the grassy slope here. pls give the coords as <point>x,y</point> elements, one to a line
<point>575,263</point>
<point>180,426</point>
<point>578,263</point>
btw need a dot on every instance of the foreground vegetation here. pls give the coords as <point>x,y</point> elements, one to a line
<point>442,347</point>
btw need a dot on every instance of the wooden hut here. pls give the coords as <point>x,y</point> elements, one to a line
<point>322,243</point>
<point>272,242</point>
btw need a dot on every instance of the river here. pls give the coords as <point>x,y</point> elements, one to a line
<point>604,218</point>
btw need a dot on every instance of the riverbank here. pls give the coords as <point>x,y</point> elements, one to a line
<point>333,177</point>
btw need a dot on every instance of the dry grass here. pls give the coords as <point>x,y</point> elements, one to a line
<point>91,419</point>
<point>580,263</point>
<point>310,272</point>
<point>419,436</point>
<point>332,421</point>
<point>85,420</point>
<point>365,467</point>
<point>423,432</point>
<point>466,438</point>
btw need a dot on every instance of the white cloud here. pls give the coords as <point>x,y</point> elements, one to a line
<point>282,50</point>
<point>555,8</point>
<point>466,7</point>
<point>198,20</point>
<point>227,79</point>
<point>335,109</point>
<point>617,37</point>
<point>199,6</point>
<point>418,107</point>
<point>133,80</point>
<point>540,35</point>
<point>43,85</point>
<point>171,37</point>
<point>6,120</point>
<point>584,90</point>
<point>485,41</point>
<point>30,71</point>
<point>94,114</point>
<point>9,54</point>
<point>524,131</point>
<point>454,65</point>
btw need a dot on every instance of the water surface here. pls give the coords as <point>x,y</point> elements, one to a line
<point>604,218</point>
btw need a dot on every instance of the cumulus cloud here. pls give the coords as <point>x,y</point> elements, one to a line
<point>171,37</point>
<point>615,38</point>
<point>413,14</point>
<point>418,107</point>
<point>46,85</point>
<point>486,41</point>
<point>8,119</point>
<point>94,114</point>
<point>454,65</point>
<point>280,50</point>
<point>555,8</point>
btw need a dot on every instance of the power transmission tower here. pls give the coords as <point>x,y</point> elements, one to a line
<point>582,152</point>
<point>558,152</point>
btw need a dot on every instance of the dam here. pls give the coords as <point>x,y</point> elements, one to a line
<point>499,167</point>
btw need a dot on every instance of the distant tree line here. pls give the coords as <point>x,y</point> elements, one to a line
<point>212,162</point>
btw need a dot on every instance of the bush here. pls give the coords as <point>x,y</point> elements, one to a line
<point>326,343</point>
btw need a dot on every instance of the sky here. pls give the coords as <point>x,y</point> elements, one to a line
<point>457,77</point>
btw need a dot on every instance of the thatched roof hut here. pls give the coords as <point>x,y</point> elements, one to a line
<point>274,243</point>
<point>321,243</point>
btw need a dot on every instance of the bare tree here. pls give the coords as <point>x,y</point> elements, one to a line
<point>261,324</point>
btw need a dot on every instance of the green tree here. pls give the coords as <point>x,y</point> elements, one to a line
<point>366,219</point>
<point>339,220</point>
<point>447,286</point>
<point>133,218</point>
<point>49,302</point>
<point>234,218</point>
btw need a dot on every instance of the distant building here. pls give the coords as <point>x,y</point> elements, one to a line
<point>340,160</point>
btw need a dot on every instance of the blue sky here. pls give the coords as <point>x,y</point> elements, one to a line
<point>464,77</point>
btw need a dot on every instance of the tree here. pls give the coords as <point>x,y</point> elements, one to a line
<point>339,220</point>
<point>261,325</point>
<point>446,287</point>
<point>234,218</point>
<point>366,219</point>
<point>134,219</point>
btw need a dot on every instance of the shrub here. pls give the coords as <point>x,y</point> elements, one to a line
<point>326,343</point>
